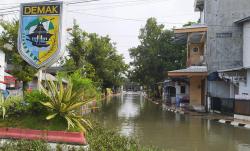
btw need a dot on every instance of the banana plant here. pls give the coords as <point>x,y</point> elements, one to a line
<point>64,102</point>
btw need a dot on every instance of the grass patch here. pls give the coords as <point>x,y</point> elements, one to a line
<point>32,121</point>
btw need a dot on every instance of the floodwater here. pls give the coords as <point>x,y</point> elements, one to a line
<point>132,115</point>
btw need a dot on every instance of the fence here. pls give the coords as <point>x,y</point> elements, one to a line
<point>223,105</point>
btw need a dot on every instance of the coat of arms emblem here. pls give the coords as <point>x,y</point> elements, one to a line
<point>40,33</point>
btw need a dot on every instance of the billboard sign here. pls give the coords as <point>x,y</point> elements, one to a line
<point>40,28</point>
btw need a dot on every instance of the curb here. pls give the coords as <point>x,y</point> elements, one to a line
<point>175,111</point>
<point>233,123</point>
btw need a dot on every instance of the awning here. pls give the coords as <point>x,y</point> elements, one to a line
<point>191,29</point>
<point>194,34</point>
<point>189,72</point>
<point>246,19</point>
<point>232,69</point>
<point>240,71</point>
<point>214,76</point>
<point>8,78</point>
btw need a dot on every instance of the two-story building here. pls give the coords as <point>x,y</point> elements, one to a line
<point>196,72</point>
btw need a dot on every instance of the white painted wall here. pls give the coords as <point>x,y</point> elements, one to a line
<point>246,44</point>
<point>2,66</point>
<point>244,88</point>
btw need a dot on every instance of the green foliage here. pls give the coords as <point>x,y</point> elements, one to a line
<point>2,105</point>
<point>64,102</point>
<point>32,100</point>
<point>102,139</point>
<point>85,84</point>
<point>155,55</point>
<point>6,104</point>
<point>96,56</point>
<point>8,44</point>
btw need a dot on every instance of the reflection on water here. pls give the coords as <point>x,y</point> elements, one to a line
<point>132,115</point>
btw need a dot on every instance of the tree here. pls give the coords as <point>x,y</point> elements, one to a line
<point>8,44</point>
<point>109,66</point>
<point>96,56</point>
<point>155,55</point>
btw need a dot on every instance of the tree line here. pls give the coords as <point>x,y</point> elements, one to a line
<point>156,54</point>
<point>95,56</point>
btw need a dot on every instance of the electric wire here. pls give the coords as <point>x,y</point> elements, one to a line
<point>124,19</point>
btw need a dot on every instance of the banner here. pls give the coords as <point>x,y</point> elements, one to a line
<point>39,41</point>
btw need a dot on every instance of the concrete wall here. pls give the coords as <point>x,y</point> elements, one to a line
<point>244,86</point>
<point>224,38</point>
<point>246,44</point>
<point>2,65</point>
<point>219,89</point>
<point>224,49</point>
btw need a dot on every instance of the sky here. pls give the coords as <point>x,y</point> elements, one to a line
<point>120,19</point>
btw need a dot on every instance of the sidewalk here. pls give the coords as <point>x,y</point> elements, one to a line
<point>235,122</point>
<point>224,119</point>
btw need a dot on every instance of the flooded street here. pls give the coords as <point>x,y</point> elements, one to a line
<point>133,116</point>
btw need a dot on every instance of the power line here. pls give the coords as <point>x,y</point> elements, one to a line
<point>9,8</point>
<point>118,2</point>
<point>122,5</point>
<point>119,18</point>
<point>79,2</point>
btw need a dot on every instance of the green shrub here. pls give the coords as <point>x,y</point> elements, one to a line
<point>103,139</point>
<point>85,84</point>
<point>8,103</point>
<point>32,100</point>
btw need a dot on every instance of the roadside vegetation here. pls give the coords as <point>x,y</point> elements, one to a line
<point>92,68</point>
<point>156,54</point>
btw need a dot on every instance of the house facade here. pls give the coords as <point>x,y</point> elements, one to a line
<point>227,53</point>
<point>196,72</point>
<point>224,49</point>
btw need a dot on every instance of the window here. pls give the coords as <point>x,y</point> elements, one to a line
<point>183,89</point>
<point>195,49</point>
<point>223,35</point>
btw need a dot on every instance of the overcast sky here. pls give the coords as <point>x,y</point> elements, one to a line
<point>122,19</point>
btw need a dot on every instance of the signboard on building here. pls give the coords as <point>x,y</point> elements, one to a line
<point>39,41</point>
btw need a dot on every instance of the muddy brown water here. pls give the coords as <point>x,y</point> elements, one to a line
<point>132,115</point>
